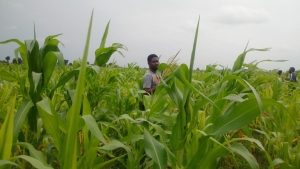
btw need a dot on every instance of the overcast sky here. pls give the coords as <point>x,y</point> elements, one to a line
<point>162,27</point>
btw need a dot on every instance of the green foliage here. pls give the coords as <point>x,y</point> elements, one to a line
<point>84,116</point>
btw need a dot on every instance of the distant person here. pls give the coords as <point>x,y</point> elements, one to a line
<point>280,75</point>
<point>150,78</point>
<point>292,77</point>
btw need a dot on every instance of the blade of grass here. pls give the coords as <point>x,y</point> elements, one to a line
<point>74,119</point>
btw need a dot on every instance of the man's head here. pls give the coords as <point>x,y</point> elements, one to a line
<point>279,72</point>
<point>291,70</point>
<point>153,62</point>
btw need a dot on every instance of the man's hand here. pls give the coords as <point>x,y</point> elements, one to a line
<point>150,91</point>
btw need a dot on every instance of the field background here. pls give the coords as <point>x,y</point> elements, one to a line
<point>97,116</point>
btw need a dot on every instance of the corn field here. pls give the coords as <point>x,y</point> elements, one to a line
<point>90,116</point>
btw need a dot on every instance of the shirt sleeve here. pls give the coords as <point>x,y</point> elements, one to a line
<point>147,81</point>
<point>294,77</point>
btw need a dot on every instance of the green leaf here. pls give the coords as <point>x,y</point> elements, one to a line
<point>277,161</point>
<point>103,55</point>
<point>50,120</point>
<point>162,67</point>
<point>93,127</point>
<point>234,97</point>
<point>6,162</point>
<point>34,58</point>
<point>20,116</point>
<point>238,64</point>
<point>193,52</point>
<point>6,132</point>
<point>64,79</point>
<point>97,166</point>
<point>114,144</point>
<point>8,77</point>
<point>103,41</point>
<point>155,150</point>
<point>60,58</point>
<point>246,85</point>
<point>243,151</point>
<point>73,121</point>
<point>49,63</point>
<point>33,152</point>
<point>237,117</point>
<point>36,163</point>
<point>36,79</point>
<point>200,153</point>
<point>13,40</point>
<point>22,49</point>
<point>210,158</point>
<point>48,38</point>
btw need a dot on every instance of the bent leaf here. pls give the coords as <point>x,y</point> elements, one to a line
<point>156,151</point>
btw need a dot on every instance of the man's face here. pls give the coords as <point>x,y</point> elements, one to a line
<point>154,63</point>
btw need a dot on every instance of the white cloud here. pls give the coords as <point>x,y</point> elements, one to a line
<point>240,15</point>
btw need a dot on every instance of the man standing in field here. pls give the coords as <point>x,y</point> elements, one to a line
<point>150,78</point>
<point>292,77</point>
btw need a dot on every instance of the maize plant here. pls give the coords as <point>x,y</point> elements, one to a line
<point>98,116</point>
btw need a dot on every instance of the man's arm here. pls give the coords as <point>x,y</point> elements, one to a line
<point>150,90</point>
<point>147,84</point>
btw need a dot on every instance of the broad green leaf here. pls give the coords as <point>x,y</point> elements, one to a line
<point>237,117</point>
<point>64,79</point>
<point>243,151</point>
<point>33,152</point>
<point>103,55</point>
<point>240,60</point>
<point>245,84</point>
<point>181,74</point>
<point>36,79</point>
<point>34,58</point>
<point>48,38</point>
<point>60,58</point>
<point>21,49</point>
<point>8,77</point>
<point>6,162</point>
<point>277,161</point>
<point>13,40</point>
<point>195,161</point>
<point>159,100</point>
<point>234,97</point>
<point>95,68</point>
<point>258,143</point>
<point>6,132</point>
<point>50,120</point>
<point>93,127</point>
<point>20,117</point>
<point>209,160</point>
<point>114,144</point>
<point>49,64</point>
<point>155,150</point>
<point>162,67</point>
<point>34,162</point>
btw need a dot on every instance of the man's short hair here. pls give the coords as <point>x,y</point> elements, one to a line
<point>151,56</point>
<point>279,72</point>
<point>292,69</point>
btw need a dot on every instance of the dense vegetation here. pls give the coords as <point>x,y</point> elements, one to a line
<point>88,116</point>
